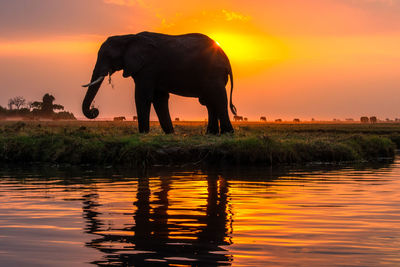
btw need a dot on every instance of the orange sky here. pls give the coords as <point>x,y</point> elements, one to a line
<point>318,59</point>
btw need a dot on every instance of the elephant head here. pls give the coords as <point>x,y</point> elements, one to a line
<point>128,53</point>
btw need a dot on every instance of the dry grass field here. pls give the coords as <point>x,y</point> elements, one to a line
<point>259,143</point>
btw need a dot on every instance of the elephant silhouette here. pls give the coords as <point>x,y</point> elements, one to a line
<point>364,119</point>
<point>238,118</point>
<point>190,65</point>
<point>122,118</point>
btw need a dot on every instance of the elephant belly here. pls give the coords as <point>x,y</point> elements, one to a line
<point>187,92</point>
<point>193,84</point>
<point>183,87</point>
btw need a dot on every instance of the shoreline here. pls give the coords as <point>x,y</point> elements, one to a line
<point>111,143</point>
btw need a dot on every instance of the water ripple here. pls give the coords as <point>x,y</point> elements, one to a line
<point>315,217</point>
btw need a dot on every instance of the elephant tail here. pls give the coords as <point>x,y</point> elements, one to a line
<point>233,108</point>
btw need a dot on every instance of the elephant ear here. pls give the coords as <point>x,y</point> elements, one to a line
<point>140,52</point>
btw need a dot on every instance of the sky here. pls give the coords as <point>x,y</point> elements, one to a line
<point>305,59</point>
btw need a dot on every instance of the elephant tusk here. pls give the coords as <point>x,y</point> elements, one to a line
<point>100,79</point>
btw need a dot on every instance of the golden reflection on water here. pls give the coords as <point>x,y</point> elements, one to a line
<point>293,218</point>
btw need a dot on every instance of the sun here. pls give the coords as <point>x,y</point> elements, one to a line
<point>248,48</point>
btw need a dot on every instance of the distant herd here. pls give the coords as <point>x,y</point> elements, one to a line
<point>236,118</point>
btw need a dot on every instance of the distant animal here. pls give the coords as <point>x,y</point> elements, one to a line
<point>134,118</point>
<point>296,120</point>
<point>373,119</point>
<point>176,119</point>
<point>245,119</point>
<point>190,65</point>
<point>263,118</point>
<point>278,120</point>
<point>238,118</point>
<point>122,118</point>
<point>364,119</point>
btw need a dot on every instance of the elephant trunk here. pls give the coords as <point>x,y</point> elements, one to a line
<point>94,85</point>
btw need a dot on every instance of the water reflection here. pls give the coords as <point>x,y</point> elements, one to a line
<point>335,215</point>
<point>179,237</point>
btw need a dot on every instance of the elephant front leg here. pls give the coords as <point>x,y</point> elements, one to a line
<point>143,104</point>
<point>212,127</point>
<point>160,104</point>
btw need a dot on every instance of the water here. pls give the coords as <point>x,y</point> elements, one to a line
<point>256,217</point>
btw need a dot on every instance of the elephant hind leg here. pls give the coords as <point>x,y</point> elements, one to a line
<point>160,104</point>
<point>218,116</point>
<point>220,104</point>
<point>225,123</point>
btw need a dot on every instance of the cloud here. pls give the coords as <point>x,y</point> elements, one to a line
<point>169,12</point>
<point>203,20</point>
<point>231,15</point>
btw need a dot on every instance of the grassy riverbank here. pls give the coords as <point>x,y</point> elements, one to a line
<point>253,143</point>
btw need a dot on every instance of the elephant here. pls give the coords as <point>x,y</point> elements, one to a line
<point>364,119</point>
<point>237,118</point>
<point>373,119</point>
<point>190,65</point>
<point>122,118</point>
<point>263,119</point>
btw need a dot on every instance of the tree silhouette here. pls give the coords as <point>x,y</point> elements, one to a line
<point>46,107</point>
<point>3,112</point>
<point>17,101</point>
<point>19,107</point>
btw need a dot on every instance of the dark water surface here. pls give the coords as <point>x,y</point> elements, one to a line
<point>333,216</point>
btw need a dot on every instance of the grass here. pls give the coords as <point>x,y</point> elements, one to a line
<point>78,142</point>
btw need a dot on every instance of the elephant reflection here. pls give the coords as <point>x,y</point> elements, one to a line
<point>158,234</point>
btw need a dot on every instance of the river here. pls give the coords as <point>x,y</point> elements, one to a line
<point>325,216</point>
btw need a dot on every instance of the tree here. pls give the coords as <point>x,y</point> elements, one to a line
<point>19,107</point>
<point>3,110</point>
<point>17,101</point>
<point>47,104</point>
<point>36,105</point>
<point>46,107</point>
